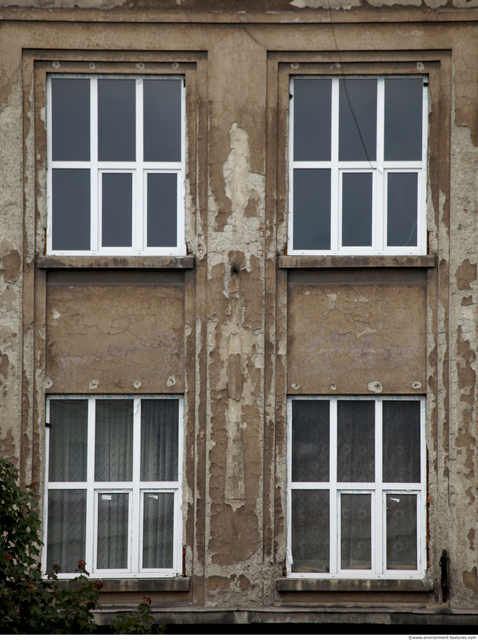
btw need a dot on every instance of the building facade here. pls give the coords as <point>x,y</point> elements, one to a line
<point>238,277</point>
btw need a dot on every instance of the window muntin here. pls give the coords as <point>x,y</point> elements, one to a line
<point>113,485</point>
<point>356,487</point>
<point>357,176</point>
<point>116,165</point>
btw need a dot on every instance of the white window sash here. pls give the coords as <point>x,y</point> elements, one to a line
<point>378,491</point>
<point>139,168</point>
<point>378,167</point>
<point>135,489</point>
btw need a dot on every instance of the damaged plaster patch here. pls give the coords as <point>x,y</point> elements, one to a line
<point>93,384</point>
<point>325,4</point>
<point>171,381</point>
<point>375,386</point>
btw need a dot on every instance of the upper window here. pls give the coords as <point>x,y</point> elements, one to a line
<point>113,485</point>
<point>357,500</point>
<point>115,165</point>
<point>358,166</point>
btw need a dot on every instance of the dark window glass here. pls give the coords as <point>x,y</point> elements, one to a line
<point>403,118</point>
<point>66,528</point>
<point>162,120</point>
<point>357,209</point>
<point>159,440</point>
<point>158,530</point>
<point>113,528</point>
<point>402,199</point>
<point>68,440</point>
<point>116,120</point>
<point>310,440</point>
<point>117,210</point>
<point>356,531</point>
<point>401,441</point>
<point>358,119</point>
<point>71,119</point>
<point>310,531</point>
<point>311,209</point>
<point>355,441</point>
<point>312,119</point>
<point>162,209</point>
<point>114,441</point>
<point>401,532</point>
<point>71,209</point>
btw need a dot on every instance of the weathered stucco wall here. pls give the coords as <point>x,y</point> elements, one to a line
<point>236,337</point>
<point>114,338</point>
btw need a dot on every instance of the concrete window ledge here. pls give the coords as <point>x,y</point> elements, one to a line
<point>111,262</point>
<point>146,584</point>
<point>347,262</point>
<point>313,584</point>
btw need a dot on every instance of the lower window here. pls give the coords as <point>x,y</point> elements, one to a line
<point>113,485</point>
<point>357,498</point>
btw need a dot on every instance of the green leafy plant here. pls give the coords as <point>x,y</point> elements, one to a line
<point>31,603</point>
<point>138,622</point>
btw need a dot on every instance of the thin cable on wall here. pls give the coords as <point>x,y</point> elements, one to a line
<point>344,80</point>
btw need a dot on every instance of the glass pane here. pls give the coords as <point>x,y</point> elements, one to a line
<point>158,530</point>
<point>68,438</point>
<point>311,209</point>
<point>357,209</point>
<point>162,120</point>
<point>71,119</point>
<point>401,441</point>
<point>312,119</point>
<point>358,119</point>
<point>402,199</point>
<point>310,531</point>
<point>310,440</point>
<point>71,209</point>
<point>66,528</point>
<point>159,440</point>
<point>356,441</point>
<point>116,120</point>
<point>162,209</point>
<point>401,532</point>
<point>356,531</point>
<point>403,118</point>
<point>114,440</point>
<point>117,210</point>
<point>113,526</point>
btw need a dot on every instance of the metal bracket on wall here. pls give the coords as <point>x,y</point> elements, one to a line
<point>445,575</point>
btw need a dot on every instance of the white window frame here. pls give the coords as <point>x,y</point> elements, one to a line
<point>136,490</point>
<point>377,489</point>
<point>379,168</point>
<point>140,170</point>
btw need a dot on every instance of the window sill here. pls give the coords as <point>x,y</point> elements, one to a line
<point>318,584</point>
<point>331,262</point>
<point>107,262</point>
<point>146,584</point>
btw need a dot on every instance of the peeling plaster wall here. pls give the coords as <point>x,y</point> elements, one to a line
<point>463,365</point>
<point>11,250</point>
<point>248,336</point>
